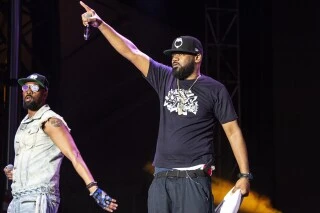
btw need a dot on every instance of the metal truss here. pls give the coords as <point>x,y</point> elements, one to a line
<point>4,25</point>
<point>17,27</point>
<point>222,62</point>
<point>6,43</point>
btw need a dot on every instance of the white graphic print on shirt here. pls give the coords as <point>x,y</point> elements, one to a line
<point>181,101</point>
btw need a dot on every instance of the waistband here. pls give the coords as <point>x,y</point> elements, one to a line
<point>34,190</point>
<point>181,173</point>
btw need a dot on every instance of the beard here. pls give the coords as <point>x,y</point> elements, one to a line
<point>32,105</point>
<point>183,72</point>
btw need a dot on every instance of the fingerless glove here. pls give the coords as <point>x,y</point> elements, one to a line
<point>101,198</point>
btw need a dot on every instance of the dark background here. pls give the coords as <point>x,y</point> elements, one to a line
<point>113,112</point>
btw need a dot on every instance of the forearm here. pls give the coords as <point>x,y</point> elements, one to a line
<point>239,149</point>
<point>126,48</point>
<point>121,44</point>
<point>82,170</point>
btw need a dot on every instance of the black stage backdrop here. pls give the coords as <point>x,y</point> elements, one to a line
<point>113,112</point>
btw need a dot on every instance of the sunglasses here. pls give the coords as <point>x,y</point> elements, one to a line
<point>33,87</point>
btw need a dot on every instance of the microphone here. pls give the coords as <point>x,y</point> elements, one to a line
<point>86,33</point>
<point>9,167</point>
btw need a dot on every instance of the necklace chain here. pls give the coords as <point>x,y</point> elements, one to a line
<point>178,84</point>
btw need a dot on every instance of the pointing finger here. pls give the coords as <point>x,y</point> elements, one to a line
<point>86,7</point>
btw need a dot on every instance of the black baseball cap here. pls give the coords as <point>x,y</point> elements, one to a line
<point>185,44</point>
<point>35,77</point>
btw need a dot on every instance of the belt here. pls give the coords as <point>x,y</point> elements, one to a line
<point>181,174</point>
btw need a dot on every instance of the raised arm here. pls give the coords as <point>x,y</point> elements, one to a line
<point>121,44</point>
<point>60,135</point>
<point>238,145</point>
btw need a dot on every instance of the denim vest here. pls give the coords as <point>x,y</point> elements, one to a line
<point>37,159</point>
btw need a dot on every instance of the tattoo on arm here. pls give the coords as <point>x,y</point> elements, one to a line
<point>56,122</point>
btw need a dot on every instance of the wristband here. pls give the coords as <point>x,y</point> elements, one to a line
<point>93,183</point>
<point>249,176</point>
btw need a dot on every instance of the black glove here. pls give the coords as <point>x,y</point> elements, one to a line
<point>102,198</point>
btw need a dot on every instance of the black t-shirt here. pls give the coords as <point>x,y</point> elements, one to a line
<point>187,117</point>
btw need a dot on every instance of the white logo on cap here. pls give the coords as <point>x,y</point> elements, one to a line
<point>178,43</point>
<point>33,76</point>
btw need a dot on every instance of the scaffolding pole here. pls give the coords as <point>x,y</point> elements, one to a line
<point>222,62</point>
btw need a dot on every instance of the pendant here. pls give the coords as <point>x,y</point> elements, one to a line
<point>180,109</point>
<point>181,102</point>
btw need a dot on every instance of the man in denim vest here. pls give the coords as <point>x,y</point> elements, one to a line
<point>41,142</point>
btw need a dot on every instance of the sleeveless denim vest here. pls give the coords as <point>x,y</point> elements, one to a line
<point>37,159</point>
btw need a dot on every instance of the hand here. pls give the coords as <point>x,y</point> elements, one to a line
<point>244,185</point>
<point>8,171</point>
<point>104,200</point>
<point>90,16</point>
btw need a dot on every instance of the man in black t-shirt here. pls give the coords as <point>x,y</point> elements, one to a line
<point>191,106</point>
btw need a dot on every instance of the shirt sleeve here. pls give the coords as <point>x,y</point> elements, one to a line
<point>224,109</point>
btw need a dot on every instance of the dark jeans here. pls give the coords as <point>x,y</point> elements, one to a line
<point>180,195</point>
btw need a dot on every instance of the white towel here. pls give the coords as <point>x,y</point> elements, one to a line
<point>230,203</point>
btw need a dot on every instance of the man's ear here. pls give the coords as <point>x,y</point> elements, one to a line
<point>45,95</point>
<point>198,58</point>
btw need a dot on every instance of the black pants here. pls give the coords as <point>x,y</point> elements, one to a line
<point>182,193</point>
